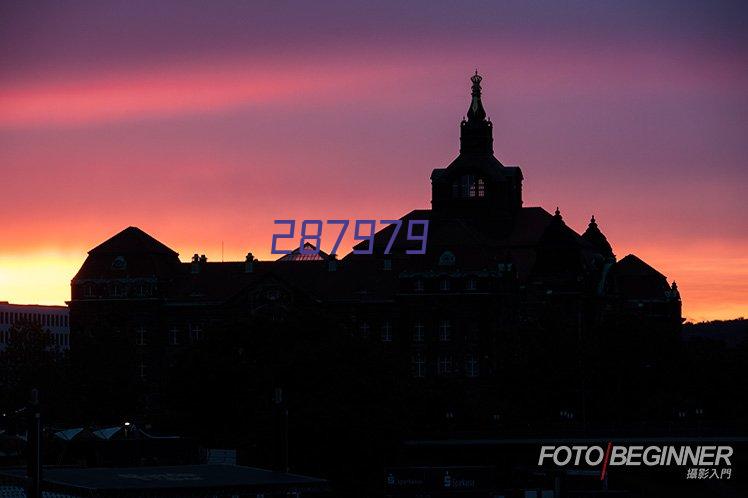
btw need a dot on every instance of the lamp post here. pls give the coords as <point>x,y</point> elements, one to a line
<point>281,423</point>
<point>34,447</point>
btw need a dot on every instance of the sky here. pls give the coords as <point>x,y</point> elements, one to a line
<point>202,122</point>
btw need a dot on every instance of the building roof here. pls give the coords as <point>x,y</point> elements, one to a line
<point>594,236</point>
<point>132,240</point>
<point>133,481</point>
<point>632,266</point>
<point>296,254</point>
<point>632,278</point>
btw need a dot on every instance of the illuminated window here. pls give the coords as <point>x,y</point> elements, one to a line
<point>481,187</point>
<point>469,187</point>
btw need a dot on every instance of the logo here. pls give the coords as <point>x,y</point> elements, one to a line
<point>637,456</point>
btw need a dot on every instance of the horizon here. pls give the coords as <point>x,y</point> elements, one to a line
<point>201,133</point>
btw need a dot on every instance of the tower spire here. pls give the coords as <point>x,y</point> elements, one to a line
<point>476,111</point>
<point>475,130</point>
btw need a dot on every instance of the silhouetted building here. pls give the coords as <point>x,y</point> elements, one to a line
<point>497,280</point>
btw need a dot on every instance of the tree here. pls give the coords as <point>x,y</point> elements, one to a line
<point>31,360</point>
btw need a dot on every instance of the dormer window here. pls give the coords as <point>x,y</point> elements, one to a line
<point>469,187</point>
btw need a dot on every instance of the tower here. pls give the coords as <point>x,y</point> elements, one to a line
<point>476,184</point>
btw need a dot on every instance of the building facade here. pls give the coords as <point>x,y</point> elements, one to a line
<point>54,320</point>
<point>498,279</point>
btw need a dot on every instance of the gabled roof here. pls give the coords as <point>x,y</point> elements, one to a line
<point>132,240</point>
<point>632,278</point>
<point>296,255</point>
<point>632,266</point>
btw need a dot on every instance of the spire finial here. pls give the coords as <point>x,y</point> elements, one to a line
<point>558,212</point>
<point>476,111</point>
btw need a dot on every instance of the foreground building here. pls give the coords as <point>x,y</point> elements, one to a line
<point>497,280</point>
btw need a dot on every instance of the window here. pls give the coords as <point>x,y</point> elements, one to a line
<point>445,330</point>
<point>118,290</point>
<point>387,264</point>
<point>140,336</point>
<point>173,336</point>
<point>444,365</point>
<point>364,329</point>
<point>419,366</point>
<point>119,263</point>
<point>447,258</point>
<point>469,187</point>
<point>418,332</point>
<point>471,284</point>
<point>88,290</point>
<point>386,332</point>
<point>141,370</point>
<point>472,368</point>
<point>418,285</point>
<point>195,332</point>
<point>444,284</point>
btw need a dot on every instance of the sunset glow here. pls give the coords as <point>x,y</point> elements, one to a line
<point>203,135</point>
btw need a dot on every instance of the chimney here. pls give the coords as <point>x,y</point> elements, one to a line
<point>249,263</point>
<point>332,262</point>
<point>195,266</point>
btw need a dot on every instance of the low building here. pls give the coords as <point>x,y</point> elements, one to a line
<point>53,319</point>
<point>181,480</point>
